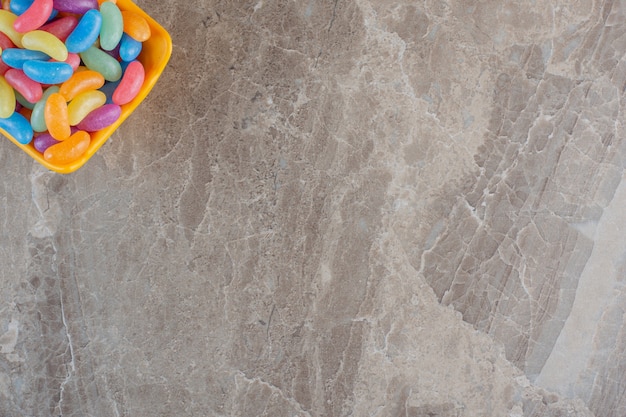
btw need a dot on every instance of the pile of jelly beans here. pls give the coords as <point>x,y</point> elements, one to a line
<point>66,68</point>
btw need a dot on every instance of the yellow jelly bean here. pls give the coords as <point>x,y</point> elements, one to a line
<point>136,26</point>
<point>55,114</point>
<point>7,99</point>
<point>69,150</point>
<point>39,40</point>
<point>6,26</point>
<point>80,82</point>
<point>83,104</point>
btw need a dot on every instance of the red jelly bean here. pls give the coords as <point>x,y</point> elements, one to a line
<point>61,28</point>
<point>31,90</point>
<point>131,83</point>
<point>35,16</point>
<point>5,43</point>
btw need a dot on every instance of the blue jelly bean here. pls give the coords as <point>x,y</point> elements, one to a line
<point>129,48</point>
<point>48,72</point>
<point>85,33</point>
<point>18,127</point>
<point>15,57</point>
<point>20,6</point>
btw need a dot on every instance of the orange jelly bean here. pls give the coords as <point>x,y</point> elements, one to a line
<point>136,26</point>
<point>80,82</point>
<point>69,150</point>
<point>56,116</point>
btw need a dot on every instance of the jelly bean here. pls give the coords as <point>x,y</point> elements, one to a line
<point>15,58</point>
<point>22,101</point>
<point>39,40</point>
<point>44,141</point>
<point>61,28</point>
<point>85,33</point>
<point>100,118</point>
<point>30,89</point>
<point>83,104</point>
<point>112,25</point>
<point>48,72</point>
<point>7,99</point>
<point>131,83</point>
<point>80,82</point>
<point>17,126</point>
<point>97,60</point>
<point>56,116</point>
<point>6,26</point>
<point>129,48</point>
<point>34,17</point>
<point>37,119</point>
<point>136,26</point>
<point>75,6</point>
<point>69,150</point>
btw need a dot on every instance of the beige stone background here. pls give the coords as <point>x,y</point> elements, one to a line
<point>336,208</point>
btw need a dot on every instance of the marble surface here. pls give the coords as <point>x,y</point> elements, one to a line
<point>336,208</point>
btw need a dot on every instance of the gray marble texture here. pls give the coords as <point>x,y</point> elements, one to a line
<point>336,208</point>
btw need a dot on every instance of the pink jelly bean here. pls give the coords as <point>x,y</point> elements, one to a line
<point>100,118</point>
<point>61,28</point>
<point>35,16</point>
<point>131,83</point>
<point>5,42</point>
<point>73,59</point>
<point>31,90</point>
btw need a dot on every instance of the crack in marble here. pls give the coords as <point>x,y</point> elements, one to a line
<point>71,369</point>
<point>274,391</point>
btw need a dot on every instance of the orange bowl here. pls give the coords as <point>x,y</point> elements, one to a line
<point>155,53</point>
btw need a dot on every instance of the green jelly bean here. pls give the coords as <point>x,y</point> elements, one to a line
<point>37,120</point>
<point>97,60</point>
<point>112,26</point>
